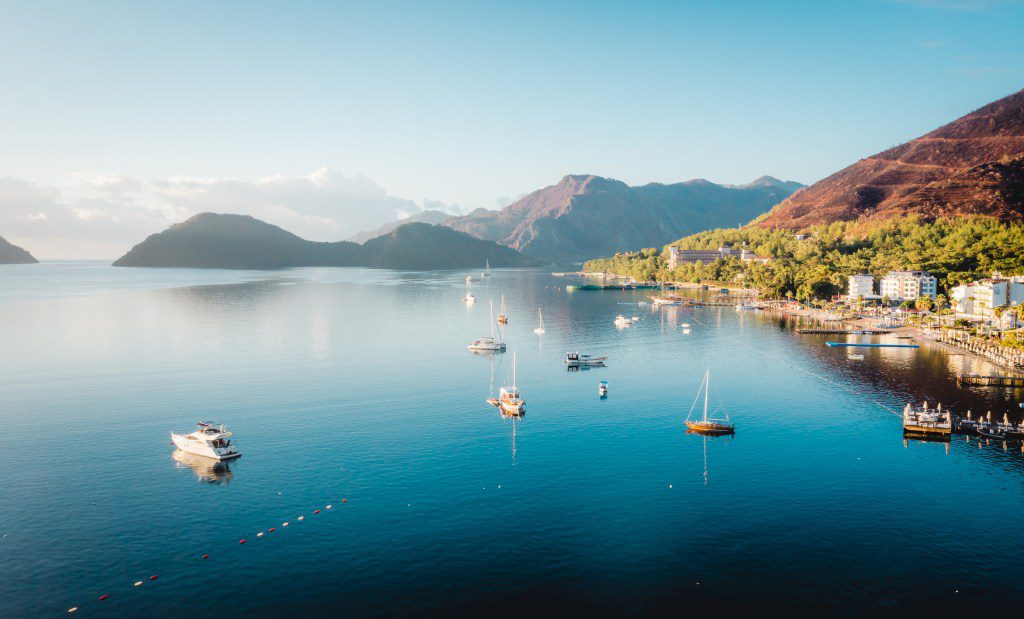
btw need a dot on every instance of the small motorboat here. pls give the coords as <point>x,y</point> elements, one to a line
<point>493,401</point>
<point>602,388</point>
<point>575,359</point>
<point>622,321</point>
<point>469,298</point>
<point>210,440</point>
<point>855,357</point>
<point>685,325</point>
<point>745,306</point>
<point>686,332</point>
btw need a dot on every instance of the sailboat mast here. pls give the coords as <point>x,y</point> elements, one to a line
<point>491,321</point>
<point>707,392</point>
<point>513,369</point>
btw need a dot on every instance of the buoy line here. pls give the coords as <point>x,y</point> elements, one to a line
<point>241,541</point>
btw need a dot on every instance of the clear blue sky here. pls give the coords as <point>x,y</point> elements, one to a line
<point>469,102</point>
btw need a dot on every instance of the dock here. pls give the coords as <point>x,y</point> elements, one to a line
<point>869,345</point>
<point>844,331</point>
<point>993,380</point>
<point>940,424</point>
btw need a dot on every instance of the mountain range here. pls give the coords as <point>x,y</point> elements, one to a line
<point>425,217</point>
<point>211,240</point>
<point>12,254</point>
<point>583,215</point>
<point>974,165</point>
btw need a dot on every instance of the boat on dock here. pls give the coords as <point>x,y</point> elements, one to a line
<point>708,425</point>
<point>927,421</point>
<point>575,359</point>
<point>210,440</point>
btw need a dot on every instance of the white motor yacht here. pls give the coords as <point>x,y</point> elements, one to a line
<point>210,440</point>
<point>575,359</point>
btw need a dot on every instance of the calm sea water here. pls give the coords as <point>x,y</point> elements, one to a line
<point>356,384</point>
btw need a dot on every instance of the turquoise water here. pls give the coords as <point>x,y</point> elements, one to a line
<point>356,384</point>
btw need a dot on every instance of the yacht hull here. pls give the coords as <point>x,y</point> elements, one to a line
<point>197,448</point>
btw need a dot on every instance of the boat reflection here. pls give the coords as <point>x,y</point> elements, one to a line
<point>206,469</point>
<point>705,438</point>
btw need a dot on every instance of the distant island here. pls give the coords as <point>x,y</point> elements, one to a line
<point>12,254</point>
<point>223,241</point>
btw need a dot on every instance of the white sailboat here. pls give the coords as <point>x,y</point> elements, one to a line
<point>708,425</point>
<point>488,344</point>
<point>487,269</point>
<point>509,400</point>
<point>540,328</point>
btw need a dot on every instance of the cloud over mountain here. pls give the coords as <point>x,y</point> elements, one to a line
<point>101,215</point>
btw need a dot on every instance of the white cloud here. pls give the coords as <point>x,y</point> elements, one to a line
<point>103,215</point>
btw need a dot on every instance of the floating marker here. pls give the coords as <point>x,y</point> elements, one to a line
<point>138,583</point>
<point>205,556</point>
<point>284,524</point>
<point>300,518</point>
<point>316,511</point>
<point>241,541</point>
<point>73,609</point>
<point>272,529</point>
<point>328,507</point>
<point>260,534</point>
<point>153,577</point>
<point>104,596</point>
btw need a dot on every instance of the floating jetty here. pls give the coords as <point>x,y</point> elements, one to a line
<point>998,381</point>
<point>939,424</point>
<point>868,345</point>
<point>844,331</point>
<point>573,287</point>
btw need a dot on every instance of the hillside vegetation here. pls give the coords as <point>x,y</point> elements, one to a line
<point>955,250</point>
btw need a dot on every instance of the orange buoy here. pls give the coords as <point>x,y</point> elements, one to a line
<point>241,541</point>
<point>205,557</point>
<point>104,596</point>
<point>153,577</point>
<point>316,511</point>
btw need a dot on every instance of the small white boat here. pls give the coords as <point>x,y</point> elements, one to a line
<point>685,325</point>
<point>855,357</point>
<point>209,440</point>
<point>509,400</point>
<point>602,388</point>
<point>686,332</point>
<point>575,359</point>
<point>745,306</point>
<point>469,298</point>
<point>487,269</point>
<point>622,321</point>
<point>540,327</point>
<point>489,343</point>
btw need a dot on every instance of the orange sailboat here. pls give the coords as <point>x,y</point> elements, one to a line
<point>708,425</point>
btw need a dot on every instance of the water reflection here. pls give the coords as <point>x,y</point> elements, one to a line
<point>206,469</point>
<point>706,438</point>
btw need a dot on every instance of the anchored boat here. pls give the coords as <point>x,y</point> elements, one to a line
<point>488,344</point>
<point>509,400</point>
<point>706,424</point>
<point>210,440</point>
<point>575,359</point>
<point>540,327</point>
<point>927,421</point>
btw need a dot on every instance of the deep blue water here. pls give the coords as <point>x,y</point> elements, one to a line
<point>356,384</point>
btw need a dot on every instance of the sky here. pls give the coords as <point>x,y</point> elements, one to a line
<point>328,118</point>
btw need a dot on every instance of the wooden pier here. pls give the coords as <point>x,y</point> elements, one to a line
<point>998,381</point>
<point>844,331</point>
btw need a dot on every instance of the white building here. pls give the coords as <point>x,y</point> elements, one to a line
<point>908,285</point>
<point>678,256</point>
<point>978,300</point>
<point>862,286</point>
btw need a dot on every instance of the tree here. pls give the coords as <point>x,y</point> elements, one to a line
<point>924,303</point>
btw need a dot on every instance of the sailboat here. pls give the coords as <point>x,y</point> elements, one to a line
<point>502,318</point>
<point>488,344</point>
<point>487,269</point>
<point>540,328</point>
<point>708,425</point>
<point>664,299</point>
<point>509,400</point>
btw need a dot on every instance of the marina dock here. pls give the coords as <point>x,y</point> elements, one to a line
<point>868,345</point>
<point>940,424</point>
<point>998,381</point>
<point>844,331</point>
